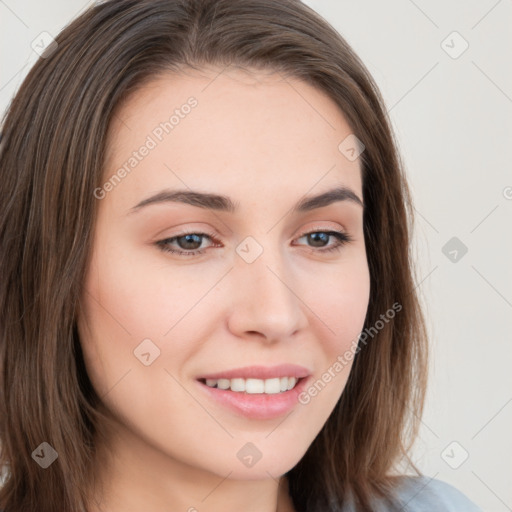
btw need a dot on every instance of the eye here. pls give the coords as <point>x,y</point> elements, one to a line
<point>188,244</point>
<point>320,240</point>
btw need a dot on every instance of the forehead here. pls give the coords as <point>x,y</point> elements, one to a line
<point>229,131</point>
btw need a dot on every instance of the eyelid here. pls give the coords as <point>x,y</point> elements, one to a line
<point>323,227</point>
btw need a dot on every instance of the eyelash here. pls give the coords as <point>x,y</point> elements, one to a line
<point>341,240</point>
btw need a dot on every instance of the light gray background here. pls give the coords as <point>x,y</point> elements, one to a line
<point>453,119</point>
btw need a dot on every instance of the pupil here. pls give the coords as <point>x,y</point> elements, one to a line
<point>315,237</point>
<point>189,239</point>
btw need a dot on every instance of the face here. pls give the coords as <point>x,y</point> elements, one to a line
<point>189,299</point>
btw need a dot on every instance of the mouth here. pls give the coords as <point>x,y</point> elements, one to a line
<point>256,392</point>
<point>254,386</point>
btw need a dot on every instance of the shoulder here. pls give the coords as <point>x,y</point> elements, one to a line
<point>424,494</point>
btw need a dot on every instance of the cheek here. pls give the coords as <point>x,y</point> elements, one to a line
<point>127,298</point>
<point>341,300</point>
<point>119,310</point>
<point>340,307</point>
<point>131,296</point>
<point>143,292</point>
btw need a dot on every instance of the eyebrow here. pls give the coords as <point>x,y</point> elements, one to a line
<point>225,204</point>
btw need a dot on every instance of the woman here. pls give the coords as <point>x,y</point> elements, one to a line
<point>208,299</point>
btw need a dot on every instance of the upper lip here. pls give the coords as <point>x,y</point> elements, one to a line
<point>260,372</point>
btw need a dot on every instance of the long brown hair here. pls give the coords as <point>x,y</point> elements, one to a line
<point>52,154</point>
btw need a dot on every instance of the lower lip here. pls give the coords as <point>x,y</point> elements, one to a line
<point>259,406</point>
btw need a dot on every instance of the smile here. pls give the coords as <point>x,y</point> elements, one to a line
<point>256,392</point>
<point>254,386</point>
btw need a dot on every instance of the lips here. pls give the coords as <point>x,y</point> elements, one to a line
<point>259,372</point>
<point>256,392</point>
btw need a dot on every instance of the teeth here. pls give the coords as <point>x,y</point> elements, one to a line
<point>272,386</point>
<point>223,383</point>
<point>254,386</point>
<point>238,385</point>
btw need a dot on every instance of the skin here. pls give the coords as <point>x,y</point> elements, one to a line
<point>265,141</point>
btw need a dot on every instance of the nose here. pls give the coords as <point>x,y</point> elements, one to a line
<point>266,299</point>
